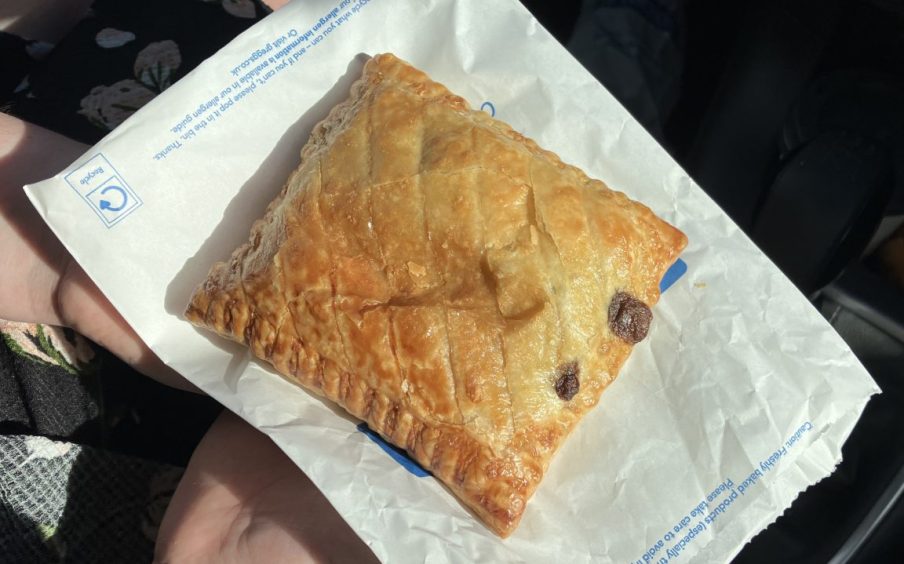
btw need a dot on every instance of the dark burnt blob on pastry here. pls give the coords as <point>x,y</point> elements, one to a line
<point>567,384</point>
<point>629,318</point>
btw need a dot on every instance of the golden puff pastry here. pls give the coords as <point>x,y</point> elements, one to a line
<point>446,280</point>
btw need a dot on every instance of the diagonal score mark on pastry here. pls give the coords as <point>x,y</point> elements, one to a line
<point>446,280</point>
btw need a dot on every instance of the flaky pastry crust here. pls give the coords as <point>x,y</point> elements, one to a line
<point>443,278</point>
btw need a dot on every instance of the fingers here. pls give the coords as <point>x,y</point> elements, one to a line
<point>31,258</point>
<point>242,499</point>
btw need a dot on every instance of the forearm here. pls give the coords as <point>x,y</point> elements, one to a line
<point>32,259</point>
<point>39,281</point>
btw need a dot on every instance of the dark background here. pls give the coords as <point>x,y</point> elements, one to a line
<point>790,116</point>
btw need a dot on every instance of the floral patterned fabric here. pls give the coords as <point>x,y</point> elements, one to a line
<point>114,61</point>
<point>90,451</point>
<point>39,365</point>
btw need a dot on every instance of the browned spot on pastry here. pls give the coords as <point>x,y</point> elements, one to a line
<point>293,358</point>
<point>629,318</point>
<point>567,384</point>
<point>389,425</point>
<point>320,374</point>
<point>249,328</point>
<point>473,387</point>
<point>227,316</point>
<point>468,456</point>
<point>344,385</point>
<point>370,397</point>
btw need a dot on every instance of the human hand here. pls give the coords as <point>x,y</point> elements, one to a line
<point>242,500</point>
